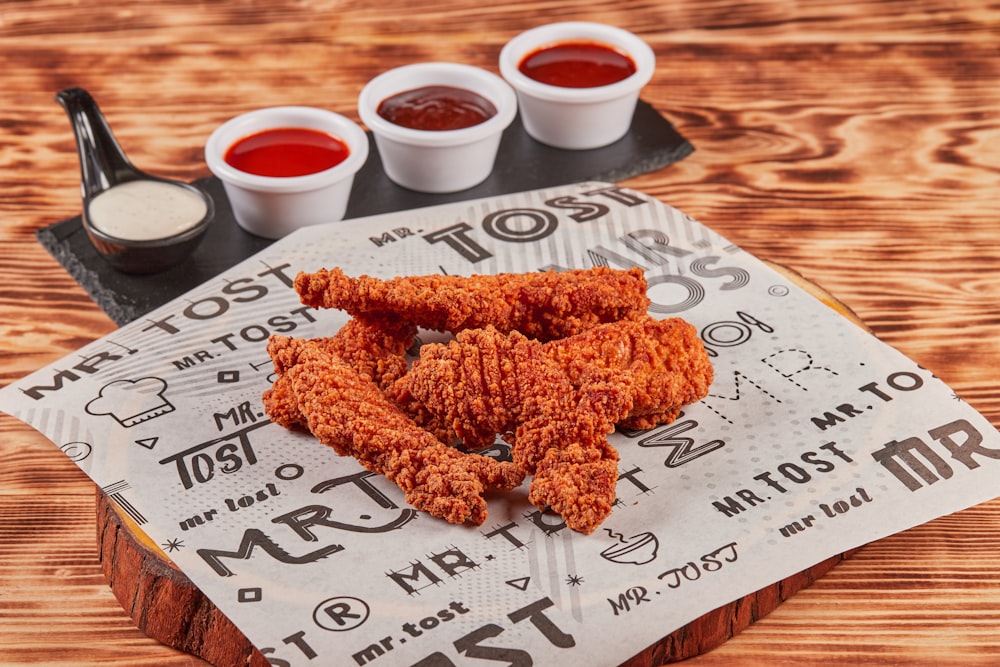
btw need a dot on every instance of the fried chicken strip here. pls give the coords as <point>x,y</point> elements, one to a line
<point>541,305</point>
<point>374,350</point>
<point>664,361</point>
<point>556,402</point>
<point>348,412</point>
<point>486,383</point>
<point>549,361</point>
<point>371,351</point>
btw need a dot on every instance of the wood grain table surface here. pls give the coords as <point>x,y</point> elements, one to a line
<point>854,141</point>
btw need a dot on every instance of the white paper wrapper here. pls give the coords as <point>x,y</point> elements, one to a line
<point>816,438</point>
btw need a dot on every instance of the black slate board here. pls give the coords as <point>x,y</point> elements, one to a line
<point>522,164</point>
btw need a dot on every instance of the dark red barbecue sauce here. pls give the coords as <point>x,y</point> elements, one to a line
<point>436,108</point>
<point>287,151</point>
<point>577,65</point>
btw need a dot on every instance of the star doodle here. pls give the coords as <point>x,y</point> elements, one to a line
<point>574,580</point>
<point>173,545</point>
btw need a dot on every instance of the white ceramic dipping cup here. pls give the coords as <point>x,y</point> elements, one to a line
<point>576,118</point>
<point>437,161</point>
<point>274,206</point>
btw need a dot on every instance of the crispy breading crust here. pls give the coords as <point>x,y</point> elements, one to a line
<point>604,362</point>
<point>348,412</point>
<point>556,402</point>
<point>664,360</point>
<point>373,350</point>
<point>543,305</point>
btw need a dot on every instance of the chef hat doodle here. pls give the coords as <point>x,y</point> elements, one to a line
<point>132,402</point>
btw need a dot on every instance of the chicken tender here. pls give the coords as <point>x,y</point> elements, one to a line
<point>377,352</point>
<point>348,412</point>
<point>372,352</point>
<point>543,305</point>
<point>486,383</point>
<point>664,361</point>
<point>550,362</point>
<point>556,402</point>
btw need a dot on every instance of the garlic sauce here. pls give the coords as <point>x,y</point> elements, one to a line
<point>146,210</point>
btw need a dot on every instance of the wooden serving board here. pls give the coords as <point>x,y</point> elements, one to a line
<point>167,607</point>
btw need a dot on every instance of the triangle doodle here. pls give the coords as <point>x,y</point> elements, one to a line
<point>148,443</point>
<point>520,583</point>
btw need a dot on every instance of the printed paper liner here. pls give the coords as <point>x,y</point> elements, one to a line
<point>816,438</point>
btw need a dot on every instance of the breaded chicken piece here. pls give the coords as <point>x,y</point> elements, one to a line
<point>348,412</point>
<point>375,351</point>
<point>664,360</point>
<point>550,362</point>
<point>541,305</point>
<point>556,402</point>
<point>372,352</point>
<point>486,383</point>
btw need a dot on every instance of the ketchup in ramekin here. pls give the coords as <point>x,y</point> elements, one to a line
<point>287,152</point>
<point>436,108</point>
<point>577,82</point>
<point>284,168</point>
<point>577,65</point>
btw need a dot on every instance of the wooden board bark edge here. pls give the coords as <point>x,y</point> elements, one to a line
<point>166,606</point>
<point>162,602</point>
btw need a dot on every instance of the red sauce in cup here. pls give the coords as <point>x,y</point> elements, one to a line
<point>287,151</point>
<point>436,108</point>
<point>577,65</point>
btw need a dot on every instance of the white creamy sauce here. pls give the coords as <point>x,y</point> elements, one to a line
<point>146,210</point>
